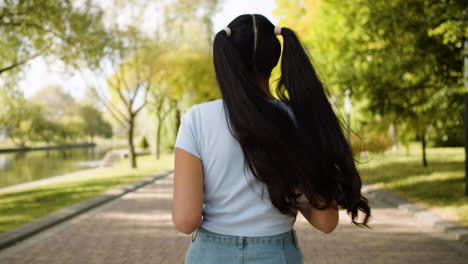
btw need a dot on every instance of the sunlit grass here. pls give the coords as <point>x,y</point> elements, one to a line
<point>19,207</point>
<point>439,187</point>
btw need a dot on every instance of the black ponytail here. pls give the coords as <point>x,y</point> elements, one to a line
<point>313,157</point>
<point>308,98</point>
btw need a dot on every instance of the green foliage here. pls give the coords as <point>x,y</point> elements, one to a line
<point>66,30</point>
<point>54,100</point>
<point>20,207</point>
<point>94,123</point>
<point>187,17</point>
<point>45,130</point>
<point>377,143</point>
<point>439,186</point>
<point>144,143</point>
<point>452,21</point>
<point>390,54</point>
<point>371,142</point>
<point>20,117</point>
<point>450,135</point>
<point>190,53</point>
<point>50,116</point>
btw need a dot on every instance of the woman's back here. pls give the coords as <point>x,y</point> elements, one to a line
<point>233,203</point>
<point>298,162</point>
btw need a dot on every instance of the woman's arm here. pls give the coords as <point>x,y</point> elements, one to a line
<point>188,191</point>
<point>325,220</point>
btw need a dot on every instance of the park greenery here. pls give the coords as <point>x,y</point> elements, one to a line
<point>402,62</point>
<point>66,30</point>
<point>25,205</point>
<point>51,116</point>
<point>126,68</point>
<point>437,187</point>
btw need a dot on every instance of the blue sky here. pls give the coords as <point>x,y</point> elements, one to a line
<point>40,74</point>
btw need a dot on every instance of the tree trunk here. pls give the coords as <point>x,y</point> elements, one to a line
<point>392,133</point>
<point>177,124</point>
<point>423,141</point>
<point>132,156</point>
<point>158,139</point>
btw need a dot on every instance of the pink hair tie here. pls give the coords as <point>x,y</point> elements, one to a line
<point>228,31</point>
<point>277,30</point>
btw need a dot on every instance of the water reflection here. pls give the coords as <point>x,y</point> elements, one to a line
<point>21,167</point>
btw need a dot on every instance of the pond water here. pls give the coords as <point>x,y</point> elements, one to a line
<point>21,167</point>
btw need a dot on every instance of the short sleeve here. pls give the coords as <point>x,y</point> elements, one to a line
<point>187,134</point>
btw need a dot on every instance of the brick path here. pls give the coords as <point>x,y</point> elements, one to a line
<point>137,228</point>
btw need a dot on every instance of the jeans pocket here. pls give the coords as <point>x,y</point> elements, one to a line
<point>296,243</point>
<point>292,254</point>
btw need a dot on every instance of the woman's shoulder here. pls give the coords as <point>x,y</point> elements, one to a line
<point>208,111</point>
<point>205,106</point>
<point>209,104</point>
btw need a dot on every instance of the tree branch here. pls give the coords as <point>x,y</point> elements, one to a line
<point>18,63</point>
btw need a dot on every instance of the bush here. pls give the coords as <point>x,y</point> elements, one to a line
<point>144,143</point>
<point>451,137</point>
<point>375,143</point>
<point>378,143</point>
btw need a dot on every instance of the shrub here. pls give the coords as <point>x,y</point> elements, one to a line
<point>375,143</point>
<point>144,143</point>
<point>378,143</point>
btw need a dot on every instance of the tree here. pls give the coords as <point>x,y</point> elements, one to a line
<point>452,21</point>
<point>19,117</point>
<point>424,71</point>
<point>54,100</point>
<point>129,83</point>
<point>160,104</point>
<point>70,31</point>
<point>94,123</point>
<point>141,65</point>
<point>195,81</point>
<point>46,130</point>
<point>384,52</point>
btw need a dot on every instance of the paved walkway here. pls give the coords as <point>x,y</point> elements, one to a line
<point>137,228</point>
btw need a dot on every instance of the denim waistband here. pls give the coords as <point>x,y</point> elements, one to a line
<point>241,241</point>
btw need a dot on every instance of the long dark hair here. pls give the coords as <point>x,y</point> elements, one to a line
<point>314,157</point>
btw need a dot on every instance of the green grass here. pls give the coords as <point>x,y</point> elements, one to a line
<point>20,207</point>
<point>438,187</point>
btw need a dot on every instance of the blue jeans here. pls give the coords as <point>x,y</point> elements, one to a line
<point>212,248</point>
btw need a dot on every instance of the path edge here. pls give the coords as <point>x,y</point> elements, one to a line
<point>436,221</point>
<point>11,237</point>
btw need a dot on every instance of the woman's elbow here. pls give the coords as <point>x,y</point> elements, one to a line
<point>185,228</point>
<point>330,226</point>
<point>328,229</point>
<point>184,224</point>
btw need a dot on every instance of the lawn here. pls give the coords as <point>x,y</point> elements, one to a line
<point>19,207</point>
<point>438,187</point>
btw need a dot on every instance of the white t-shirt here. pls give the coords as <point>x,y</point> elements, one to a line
<point>233,203</point>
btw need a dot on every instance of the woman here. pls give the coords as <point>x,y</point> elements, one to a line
<point>246,164</point>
